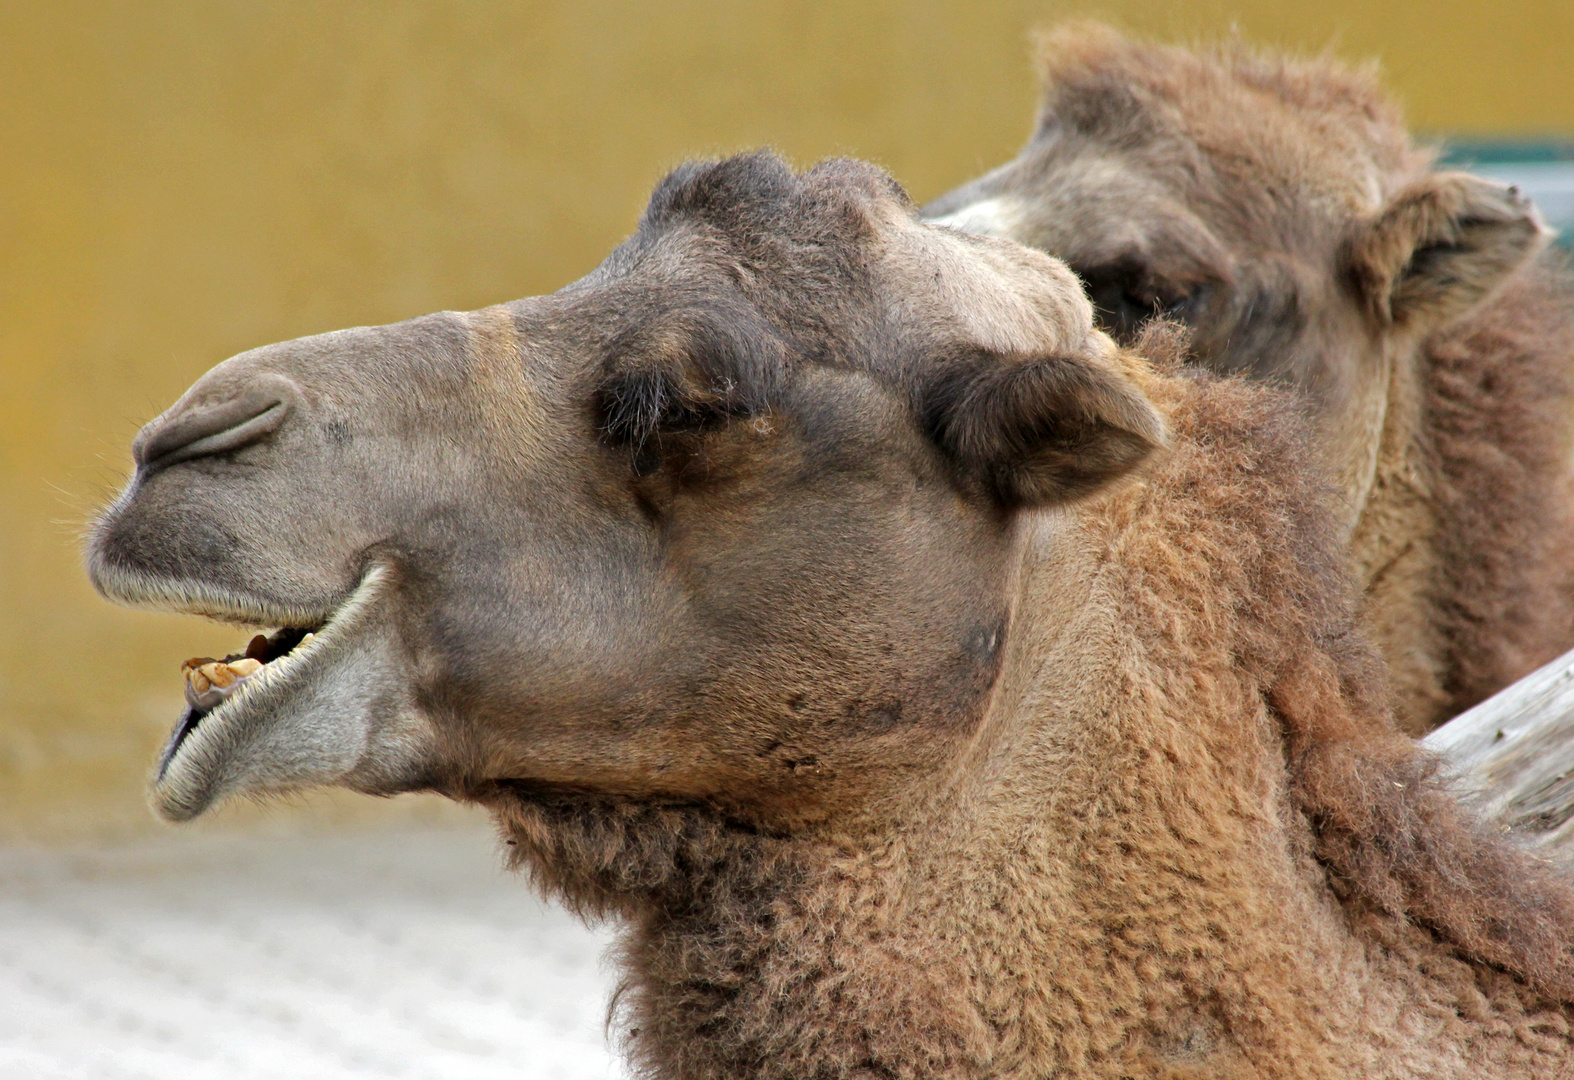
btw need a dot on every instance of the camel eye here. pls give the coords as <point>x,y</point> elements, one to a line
<point>1125,295</point>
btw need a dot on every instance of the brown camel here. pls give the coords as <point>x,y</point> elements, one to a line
<point>1279,208</point>
<point>931,687</point>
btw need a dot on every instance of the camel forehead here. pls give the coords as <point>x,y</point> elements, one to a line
<point>1313,129</point>
<point>1227,160</point>
<point>1318,159</point>
<point>825,259</point>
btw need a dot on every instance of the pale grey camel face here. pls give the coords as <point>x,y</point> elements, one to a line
<point>730,519</point>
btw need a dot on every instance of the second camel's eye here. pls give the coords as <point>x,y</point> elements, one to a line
<point>1125,296</point>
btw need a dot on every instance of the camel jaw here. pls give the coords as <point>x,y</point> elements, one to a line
<point>318,714</point>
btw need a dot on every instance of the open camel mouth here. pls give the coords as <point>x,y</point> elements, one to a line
<point>279,715</point>
<point>210,683</point>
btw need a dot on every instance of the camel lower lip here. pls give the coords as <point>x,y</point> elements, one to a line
<point>252,696</point>
<point>204,691</point>
<point>188,724</point>
<point>201,705</point>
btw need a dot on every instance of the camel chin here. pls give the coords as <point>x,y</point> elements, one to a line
<point>319,701</point>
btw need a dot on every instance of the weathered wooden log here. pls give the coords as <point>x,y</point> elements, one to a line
<point>1514,756</point>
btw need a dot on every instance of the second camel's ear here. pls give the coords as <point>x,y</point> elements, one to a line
<point>1039,431</point>
<point>1442,245</point>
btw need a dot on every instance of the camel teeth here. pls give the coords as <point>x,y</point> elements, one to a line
<point>219,674</point>
<point>209,681</point>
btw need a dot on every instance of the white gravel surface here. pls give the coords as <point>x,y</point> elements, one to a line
<point>396,953</point>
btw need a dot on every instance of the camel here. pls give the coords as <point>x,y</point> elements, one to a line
<point>930,686</point>
<point>1280,210</point>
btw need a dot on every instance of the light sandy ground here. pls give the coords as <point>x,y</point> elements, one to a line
<point>401,953</point>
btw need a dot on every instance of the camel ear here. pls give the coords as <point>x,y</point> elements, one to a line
<point>1442,245</point>
<point>1039,431</point>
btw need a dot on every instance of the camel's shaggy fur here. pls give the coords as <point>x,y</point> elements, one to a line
<point>931,687</point>
<point>1280,209</point>
<point>1500,394</point>
<point>1226,863</point>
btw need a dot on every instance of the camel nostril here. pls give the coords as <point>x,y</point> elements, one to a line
<point>216,428</point>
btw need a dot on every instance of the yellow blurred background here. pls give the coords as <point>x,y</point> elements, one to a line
<point>183,181</point>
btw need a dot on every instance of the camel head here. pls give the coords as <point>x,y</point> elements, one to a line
<point>1276,207</point>
<point>731,519</point>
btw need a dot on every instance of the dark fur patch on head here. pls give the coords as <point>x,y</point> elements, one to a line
<point>689,370</point>
<point>719,190</point>
<point>773,260</point>
<point>757,198</point>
